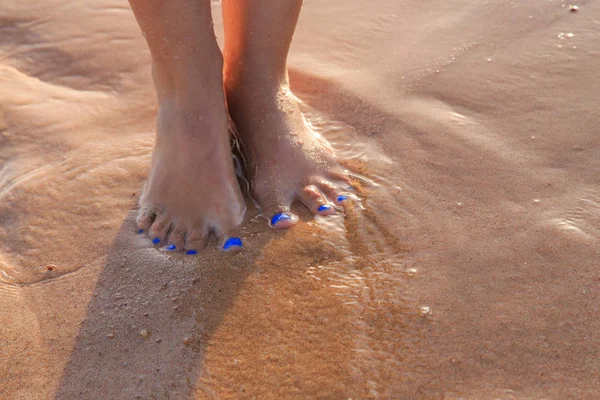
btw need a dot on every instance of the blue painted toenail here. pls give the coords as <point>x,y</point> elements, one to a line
<point>191,252</point>
<point>141,231</point>
<point>342,198</point>
<point>171,247</point>
<point>278,217</point>
<point>156,240</point>
<point>232,242</point>
<point>324,207</point>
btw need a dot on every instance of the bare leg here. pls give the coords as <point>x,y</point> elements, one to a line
<point>191,189</point>
<point>287,160</point>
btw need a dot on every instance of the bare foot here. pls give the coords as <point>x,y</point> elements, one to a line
<point>191,189</point>
<point>287,160</point>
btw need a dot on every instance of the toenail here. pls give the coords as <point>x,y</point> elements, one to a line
<point>171,247</point>
<point>342,198</point>
<point>232,242</point>
<point>156,240</point>
<point>278,217</point>
<point>191,252</point>
<point>324,207</point>
<point>141,231</point>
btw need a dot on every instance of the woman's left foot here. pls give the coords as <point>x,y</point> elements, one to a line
<point>286,159</point>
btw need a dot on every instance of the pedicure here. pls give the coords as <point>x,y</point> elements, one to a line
<point>278,217</point>
<point>324,207</point>
<point>232,242</point>
<point>191,252</point>
<point>171,247</point>
<point>342,198</point>
<point>141,231</point>
<point>156,240</point>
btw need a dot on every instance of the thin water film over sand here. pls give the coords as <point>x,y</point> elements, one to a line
<point>463,266</point>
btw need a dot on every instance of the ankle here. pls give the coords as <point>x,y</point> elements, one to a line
<point>246,77</point>
<point>188,75</point>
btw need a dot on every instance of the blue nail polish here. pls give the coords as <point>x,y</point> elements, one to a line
<point>232,242</point>
<point>141,231</point>
<point>191,252</point>
<point>278,217</point>
<point>324,207</point>
<point>156,240</point>
<point>171,247</point>
<point>342,198</point>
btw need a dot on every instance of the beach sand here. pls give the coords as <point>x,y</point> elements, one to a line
<point>469,269</point>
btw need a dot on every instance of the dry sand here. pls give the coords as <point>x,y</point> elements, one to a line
<point>477,122</point>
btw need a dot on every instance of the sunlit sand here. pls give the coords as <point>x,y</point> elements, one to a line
<point>466,267</point>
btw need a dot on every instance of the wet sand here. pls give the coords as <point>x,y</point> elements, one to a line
<point>471,272</point>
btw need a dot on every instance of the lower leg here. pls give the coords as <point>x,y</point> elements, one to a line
<point>287,160</point>
<point>258,34</point>
<point>191,188</point>
<point>182,42</point>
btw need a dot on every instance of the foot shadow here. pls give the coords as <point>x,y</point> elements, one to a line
<point>150,320</point>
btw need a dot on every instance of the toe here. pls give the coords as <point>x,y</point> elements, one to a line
<point>341,198</point>
<point>315,201</point>
<point>145,218</point>
<point>232,243</point>
<point>275,206</point>
<point>282,219</point>
<point>196,241</point>
<point>331,191</point>
<point>159,230</point>
<point>228,239</point>
<point>176,240</point>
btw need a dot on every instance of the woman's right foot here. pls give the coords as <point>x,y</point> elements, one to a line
<point>192,189</point>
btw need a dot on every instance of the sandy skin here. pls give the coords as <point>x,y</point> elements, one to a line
<point>192,190</point>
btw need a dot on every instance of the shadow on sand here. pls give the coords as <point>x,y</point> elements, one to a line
<point>150,320</point>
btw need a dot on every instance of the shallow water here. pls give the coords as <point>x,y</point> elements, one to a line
<point>467,267</point>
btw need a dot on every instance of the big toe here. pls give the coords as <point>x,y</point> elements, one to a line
<point>275,206</point>
<point>232,243</point>
<point>282,219</point>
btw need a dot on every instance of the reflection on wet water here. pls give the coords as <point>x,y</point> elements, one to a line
<point>43,199</point>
